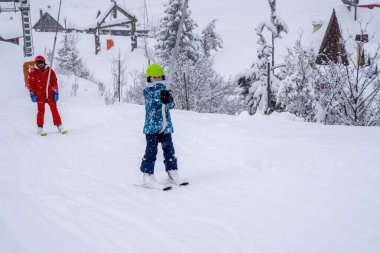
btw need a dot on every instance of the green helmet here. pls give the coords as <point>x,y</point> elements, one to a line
<point>154,70</point>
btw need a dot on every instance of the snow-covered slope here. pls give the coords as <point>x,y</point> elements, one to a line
<point>258,184</point>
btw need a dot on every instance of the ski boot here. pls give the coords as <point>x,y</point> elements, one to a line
<point>62,130</point>
<point>150,181</point>
<point>175,179</point>
<point>40,131</point>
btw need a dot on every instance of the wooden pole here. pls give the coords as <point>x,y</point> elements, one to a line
<point>186,93</point>
<point>268,90</point>
<point>52,55</point>
<point>119,78</point>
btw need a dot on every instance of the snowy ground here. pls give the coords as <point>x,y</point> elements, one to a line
<point>258,184</point>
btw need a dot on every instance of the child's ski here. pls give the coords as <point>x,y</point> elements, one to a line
<point>155,187</point>
<point>178,181</point>
<point>45,134</point>
<point>183,183</point>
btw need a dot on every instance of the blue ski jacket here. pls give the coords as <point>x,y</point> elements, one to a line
<point>153,109</point>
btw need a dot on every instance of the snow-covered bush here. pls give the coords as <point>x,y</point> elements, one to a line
<point>68,59</point>
<point>296,92</point>
<point>260,86</point>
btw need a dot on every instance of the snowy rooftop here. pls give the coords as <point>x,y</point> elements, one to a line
<point>10,25</point>
<point>365,2</point>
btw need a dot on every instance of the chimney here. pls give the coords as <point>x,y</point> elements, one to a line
<point>41,13</point>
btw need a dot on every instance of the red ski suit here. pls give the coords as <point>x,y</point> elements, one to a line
<point>37,81</point>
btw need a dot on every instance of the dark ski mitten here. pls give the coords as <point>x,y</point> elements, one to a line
<point>166,97</point>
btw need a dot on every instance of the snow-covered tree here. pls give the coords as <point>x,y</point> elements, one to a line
<point>189,51</point>
<point>347,94</point>
<point>203,89</point>
<point>296,92</point>
<point>264,75</point>
<point>277,26</point>
<point>189,44</point>
<point>196,85</point>
<point>347,91</point>
<point>211,41</point>
<point>134,92</point>
<point>119,74</point>
<point>376,118</point>
<point>68,59</point>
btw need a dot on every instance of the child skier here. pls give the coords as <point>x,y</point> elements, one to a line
<point>158,128</point>
<point>37,81</point>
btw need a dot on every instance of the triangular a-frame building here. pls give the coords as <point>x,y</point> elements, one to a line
<point>332,48</point>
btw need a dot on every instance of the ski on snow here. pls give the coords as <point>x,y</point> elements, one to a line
<point>159,187</point>
<point>163,186</point>
<point>181,183</point>
<point>45,134</point>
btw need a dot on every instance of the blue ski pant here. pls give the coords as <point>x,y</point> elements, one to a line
<point>152,140</point>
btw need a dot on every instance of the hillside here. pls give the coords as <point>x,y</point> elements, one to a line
<point>236,23</point>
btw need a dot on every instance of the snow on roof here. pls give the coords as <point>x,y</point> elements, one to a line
<point>116,21</point>
<point>104,13</point>
<point>10,25</point>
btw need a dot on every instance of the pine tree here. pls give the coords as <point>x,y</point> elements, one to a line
<point>265,80</point>
<point>68,58</point>
<point>211,41</point>
<point>296,92</point>
<point>189,42</point>
<point>195,83</point>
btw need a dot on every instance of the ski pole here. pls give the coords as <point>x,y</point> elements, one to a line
<point>175,51</point>
<point>52,55</point>
<point>173,61</point>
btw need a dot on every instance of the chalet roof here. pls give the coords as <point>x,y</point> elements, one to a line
<point>125,14</point>
<point>48,21</point>
<point>332,46</point>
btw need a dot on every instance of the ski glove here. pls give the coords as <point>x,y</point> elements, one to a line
<point>33,97</point>
<point>166,97</point>
<point>56,96</point>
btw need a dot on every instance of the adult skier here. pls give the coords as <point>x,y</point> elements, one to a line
<point>37,81</point>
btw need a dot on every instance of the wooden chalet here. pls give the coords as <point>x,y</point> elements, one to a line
<point>46,23</point>
<point>114,17</point>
